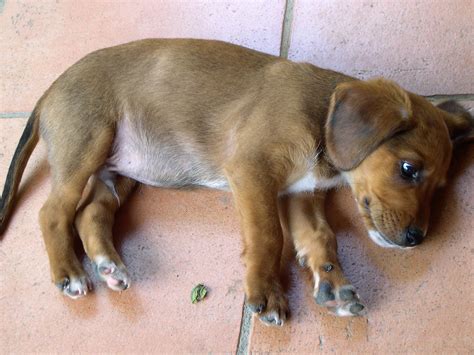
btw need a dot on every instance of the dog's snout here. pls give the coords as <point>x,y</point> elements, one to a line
<point>413,236</point>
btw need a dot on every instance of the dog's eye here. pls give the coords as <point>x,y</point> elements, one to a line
<point>409,171</point>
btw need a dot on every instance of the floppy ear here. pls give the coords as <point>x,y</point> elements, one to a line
<point>459,122</point>
<point>361,116</point>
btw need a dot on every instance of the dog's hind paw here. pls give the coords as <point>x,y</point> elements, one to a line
<point>340,301</point>
<point>115,276</point>
<point>75,287</point>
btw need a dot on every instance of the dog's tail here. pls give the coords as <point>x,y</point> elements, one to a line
<point>23,151</point>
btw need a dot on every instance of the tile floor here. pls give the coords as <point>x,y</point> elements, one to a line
<point>419,300</point>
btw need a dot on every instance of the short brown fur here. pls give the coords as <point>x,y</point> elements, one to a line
<point>220,115</point>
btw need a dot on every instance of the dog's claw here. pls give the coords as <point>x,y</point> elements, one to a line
<point>270,304</point>
<point>257,308</point>
<point>75,287</point>
<point>63,284</point>
<point>273,318</point>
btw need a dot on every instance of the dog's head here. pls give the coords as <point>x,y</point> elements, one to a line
<point>395,149</point>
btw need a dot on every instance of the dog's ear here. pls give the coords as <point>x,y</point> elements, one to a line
<point>459,122</point>
<point>362,115</point>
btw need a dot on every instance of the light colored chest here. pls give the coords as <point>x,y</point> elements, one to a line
<point>311,181</point>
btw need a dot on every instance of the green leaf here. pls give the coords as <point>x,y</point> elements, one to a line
<point>198,293</point>
<point>202,292</point>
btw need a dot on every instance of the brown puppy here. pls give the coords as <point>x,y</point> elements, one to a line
<point>176,113</point>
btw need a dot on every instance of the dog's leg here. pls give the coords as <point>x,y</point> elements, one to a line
<point>257,203</point>
<point>56,217</point>
<point>94,223</point>
<point>316,248</point>
<point>73,159</point>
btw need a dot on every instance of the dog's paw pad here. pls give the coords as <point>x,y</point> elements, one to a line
<point>348,310</point>
<point>75,287</point>
<point>347,293</point>
<point>115,276</point>
<point>357,308</point>
<point>341,301</point>
<point>325,293</point>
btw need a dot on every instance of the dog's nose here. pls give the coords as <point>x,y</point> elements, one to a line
<point>413,236</point>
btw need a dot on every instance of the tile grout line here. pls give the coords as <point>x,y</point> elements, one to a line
<point>286,28</point>
<point>14,114</point>
<point>448,97</point>
<point>244,334</point>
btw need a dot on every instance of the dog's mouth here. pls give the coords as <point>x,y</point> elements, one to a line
<point>377,237</point>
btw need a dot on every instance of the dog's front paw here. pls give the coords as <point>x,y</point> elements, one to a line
<point>341,301</point>
<point>270,303</point>
<point>74,287</point>
<point>116,276</point>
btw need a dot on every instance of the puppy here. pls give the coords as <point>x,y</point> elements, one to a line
<point>177,112</point>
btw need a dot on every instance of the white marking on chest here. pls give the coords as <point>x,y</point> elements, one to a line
<point>216,184</point>
<point>309,182</point>
<point>306,183</point>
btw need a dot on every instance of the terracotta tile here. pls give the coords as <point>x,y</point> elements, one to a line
<point>426,46</point>
<point>40,39</point>
<point>418,300</point>
<point>170,241</point>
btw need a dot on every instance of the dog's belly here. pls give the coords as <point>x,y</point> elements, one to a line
<point>161,159</point>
